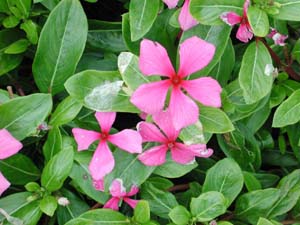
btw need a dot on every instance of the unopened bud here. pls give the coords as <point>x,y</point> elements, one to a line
<point>63,201</point>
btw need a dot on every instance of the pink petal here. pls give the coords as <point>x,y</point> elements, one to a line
<point>244,33</point>
<point>246,6</point>
<point>164,120</point>
<point>154,59</point>
<point>181,154</point>
<point>198,150</point>
<point>151,97</point>
<point>102,162</point>
<point>195,54</point>
<point>117,188</point>
<point>98,185</point>
<point>131,202</point>
<point>205,90</point>
<point>185,18</point>
<point>133,191</point>
<point>184,111</point>
<point>155,156</point>
<point>105,120</point>
<point>279,39</point>
<point>84,138</point>
<point>171,3</point>
<point>8,144</point>
<point>4,184</point>
<point>112,203</point>
<point>128,140</point>
<point>231,18</point>
<point>150,133</point>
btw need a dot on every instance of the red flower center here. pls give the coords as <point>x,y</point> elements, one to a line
<point>176,80</point>
<point>104,136</point>
<point>171,144</point>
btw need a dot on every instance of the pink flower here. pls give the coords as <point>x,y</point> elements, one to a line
<point>244,32</point>
<point>118,192</point>
<point>180,153</point>
<point>103,162</point>
<point>277,37</point>
<point>185,19</point>
<point>150,98</point>
<point>8,147</point>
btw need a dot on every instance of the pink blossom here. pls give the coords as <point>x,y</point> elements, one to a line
<point>277,37</point>
<point>150,98</point>
<point>166,137</point>
<point>103,161</point>
<point>118,192</point>
<point>8,147</point>
<point>185,18</point>
<point>244,32</point>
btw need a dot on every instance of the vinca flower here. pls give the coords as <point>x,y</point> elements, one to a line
<point>103,161</point>
<point>150,98</point>
<point>167,136</point>
<point>244,32</point>
<point>278,38</point>
<point>185,19</point>
<point>8,147</point>
<point>118,192</point>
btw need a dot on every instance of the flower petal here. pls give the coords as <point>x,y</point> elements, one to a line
<point>112,203</point>
<point>133,191</point>
<point>155,156</point>
<point>195,54</point>
<point>164,120</point>
<point>131,202</point>
<point>102,162</point>
<point>8,144</point>
<point>244,33</point>
<point>128,140</point>
<point>231,18</point>
<point>184,111</point>
<point>98,184</point>
<point>105,120</point>
<point>181,154</point>
<point>84,138</point>
<point>150,132</point>
<point>185,18</point>
<point>171,3</point>
<point>205,90</point>
<point>151,97</point>
<point>154,59</point>
<point>4,184</point>
<point>117,188</point>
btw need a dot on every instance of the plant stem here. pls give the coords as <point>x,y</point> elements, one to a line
<point>179,187</point>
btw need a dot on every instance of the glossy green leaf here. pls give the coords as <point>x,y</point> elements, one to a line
<point>11,21</point>
<point>263,221</point>
<point>180,215</point>
<point>23,5</point>
<point>142,212</point>
<point>296,51</point>
<point>252,78</point>
<point>100,91</point>
<point>288,112</point>
<point>142,14</point>
<point>48,205</point>
<point>31,30</point>
<point>259,21</point>
<point>17,47</point>
<point>9,62</point>
<point>57,170</point>
<point>53,143</point>
<point>52,69</point>
<point>288,10</point>
<point>208,206</point>
<point>251,182</point>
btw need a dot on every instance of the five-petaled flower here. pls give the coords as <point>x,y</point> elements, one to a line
<point>195,54</point>
<point>118,192</point>
<point>278,38</point>
<point>8,147</point>
<point>103,161</point>
<point>244,32</point>
<point>185,19</point>
<point>166,137</point>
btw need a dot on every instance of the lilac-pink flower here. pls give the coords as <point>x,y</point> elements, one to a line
<point>150,98</point>
<point>278,38</point>
<point>103,161</point>
<point>166,135</point>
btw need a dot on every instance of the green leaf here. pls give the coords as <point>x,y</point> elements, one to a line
<point>9,36</point>
<point>48,205</point>
<point>19,169</point>
<point>180,215</point>
<point>17,47</point>
<point>288,10</point>
<point>259,21</point>
<point>57,170</point>
<point>296,51</point>
<point>31,30</point>
<point>288,112</point>
<point>65,112</point>
<point>9,62</point>
<point>142,14</point>
<point>263,221</point>
<point>32,187</point>
<point>252,205</point>
<point>10,21</point>
<point>53,143</point>
<point>24,6</point>
<point>32,111</point>
<point>52,69</point>
<point>208,206</point>
<point>142,212</point>
<point>251,182</point>
<point>215,120</point>
<point>100,91</point>
<point>100,217</point>
<point>225,177</point>
<point>209,12</point>
<point>278,94</point>
<point>252,78</point>
<point>161,202</point>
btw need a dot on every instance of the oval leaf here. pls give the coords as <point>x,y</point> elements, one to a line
<point>259,21</point>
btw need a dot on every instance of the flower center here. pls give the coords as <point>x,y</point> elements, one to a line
<point>103,136</point>
<point>171,144</point>
<point>176,80</point>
